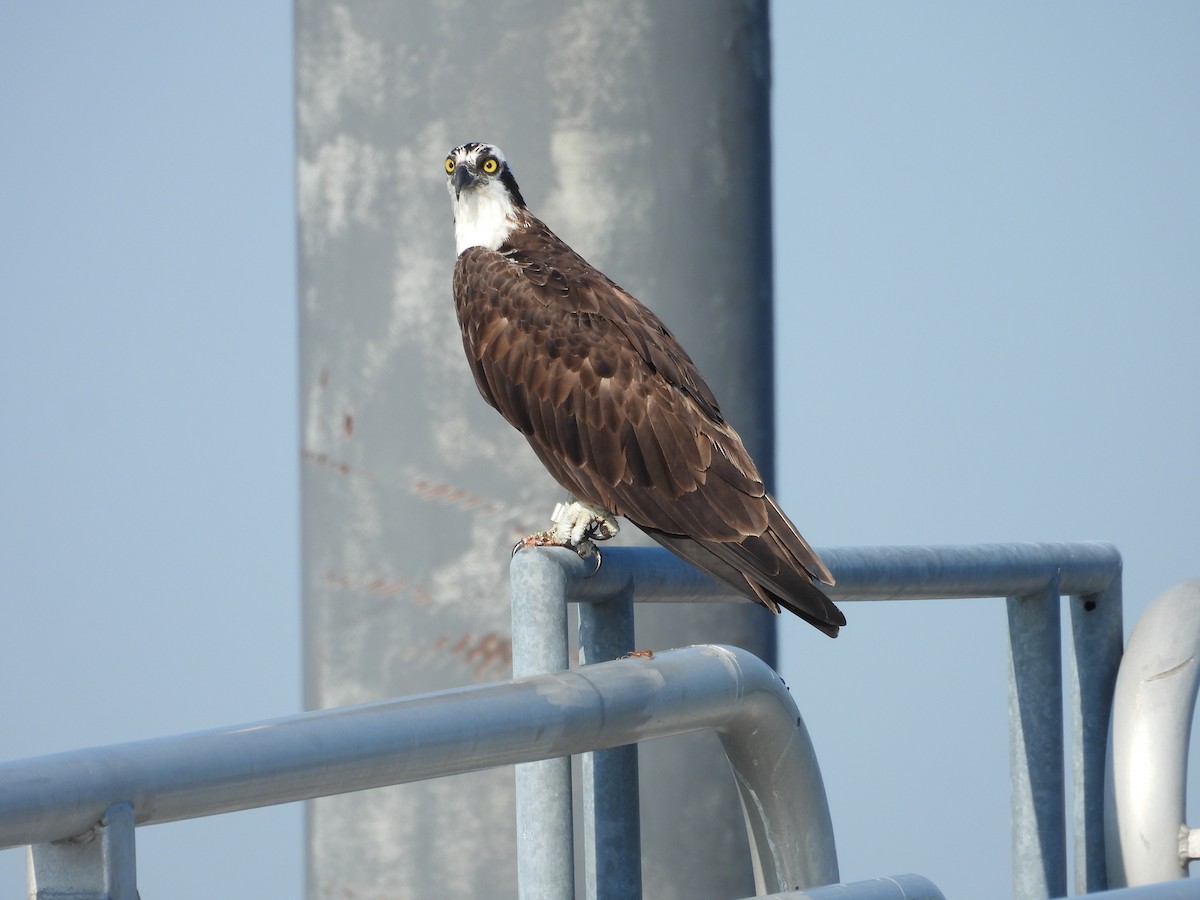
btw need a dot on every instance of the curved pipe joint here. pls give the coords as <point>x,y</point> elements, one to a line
<point>778,780</point>
<point>1146,838</point>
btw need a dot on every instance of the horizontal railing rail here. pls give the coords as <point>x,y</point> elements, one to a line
<point>77,795</point>
<point>951,572</point>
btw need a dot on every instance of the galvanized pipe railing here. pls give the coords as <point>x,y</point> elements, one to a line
<point>102,792</point>
<point>79,795</point>
<point>1031,576</point>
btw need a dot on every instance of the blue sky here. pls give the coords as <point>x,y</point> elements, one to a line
<point>988,302</point>
<point>987,266</point>
<point>148,382</point>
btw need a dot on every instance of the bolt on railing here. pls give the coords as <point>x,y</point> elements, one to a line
<point>1033,578</point>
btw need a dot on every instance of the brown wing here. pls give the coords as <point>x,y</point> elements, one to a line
<point>619,415</point>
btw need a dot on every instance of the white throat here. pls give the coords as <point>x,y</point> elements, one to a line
<point>484,216</point>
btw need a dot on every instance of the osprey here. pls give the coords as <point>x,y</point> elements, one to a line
<point>611,403</point>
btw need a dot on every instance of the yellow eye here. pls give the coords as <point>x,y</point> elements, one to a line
<point>449,165</point>
<point>490,166</point>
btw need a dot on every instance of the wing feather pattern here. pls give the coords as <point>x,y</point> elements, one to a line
<point>617,412</point>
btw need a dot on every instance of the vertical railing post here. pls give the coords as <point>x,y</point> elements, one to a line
<point>545,828</point>
<point>1095,658</point>
<point>611,814</point>
<point>1035,710</point>
<point>99,866</point>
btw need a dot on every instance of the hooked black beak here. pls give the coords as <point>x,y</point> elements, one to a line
<point>463,177</point>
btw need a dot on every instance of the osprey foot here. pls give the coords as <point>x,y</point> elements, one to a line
<point>586,549</point>
<point>577,523</point>
<point>578,526</point>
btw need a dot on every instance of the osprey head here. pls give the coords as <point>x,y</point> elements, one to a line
<point>484,195</point>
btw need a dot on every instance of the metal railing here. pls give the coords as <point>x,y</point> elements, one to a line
<point>79,810</point>
<point>1033,578</point>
